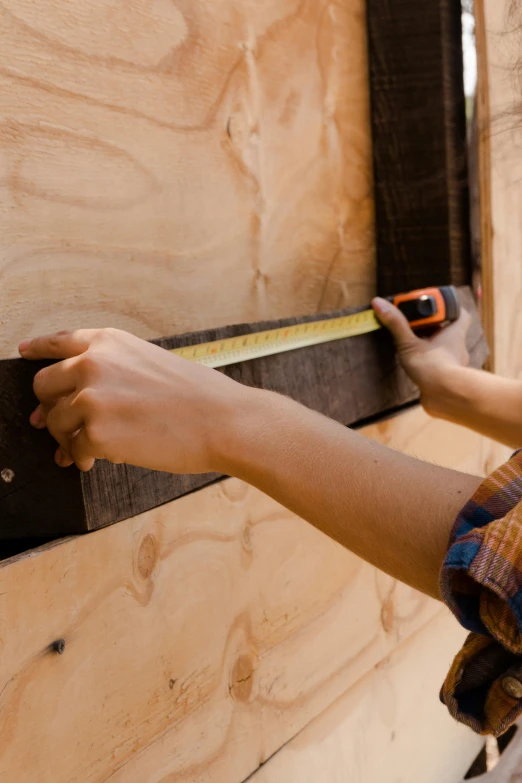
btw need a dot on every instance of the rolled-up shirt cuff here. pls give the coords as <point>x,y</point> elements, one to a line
<point>481,582</point>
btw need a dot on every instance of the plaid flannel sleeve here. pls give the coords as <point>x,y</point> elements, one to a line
<point>481,582</point>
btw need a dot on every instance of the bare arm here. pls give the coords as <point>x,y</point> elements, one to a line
<point>486,403</point>
<point>119,398</point>
<point>394,511</point>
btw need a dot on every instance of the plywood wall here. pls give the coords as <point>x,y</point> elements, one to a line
<point>173,165</point>
<point>165,166</point>
<point>199,638</point>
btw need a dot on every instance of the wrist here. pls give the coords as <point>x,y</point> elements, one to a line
<point>250,437</point>
<point>442,391</point>
<point>235,425</point>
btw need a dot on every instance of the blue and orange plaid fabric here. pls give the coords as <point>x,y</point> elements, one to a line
<point>481,582</point>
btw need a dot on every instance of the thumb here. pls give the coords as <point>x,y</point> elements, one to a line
<point>397,323</point>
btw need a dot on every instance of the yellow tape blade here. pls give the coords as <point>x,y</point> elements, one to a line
<point>243,348</point>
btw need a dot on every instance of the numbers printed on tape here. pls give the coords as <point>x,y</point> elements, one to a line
<point>253,346</point>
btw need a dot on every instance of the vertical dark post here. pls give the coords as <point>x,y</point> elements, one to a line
<point>419,141</point>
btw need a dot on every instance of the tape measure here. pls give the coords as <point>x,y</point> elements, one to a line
<point>425,307</point>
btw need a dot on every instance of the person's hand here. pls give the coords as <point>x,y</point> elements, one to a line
<point>120,398</point>
<point>428,360</point>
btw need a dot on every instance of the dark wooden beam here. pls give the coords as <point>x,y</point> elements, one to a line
<point>349,381</point>
<point>419,144</point>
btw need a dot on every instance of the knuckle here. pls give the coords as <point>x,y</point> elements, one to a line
<point>39,381</point>
<point>105,335</point>
<point>52,421</point>
<point>94,435</point>
<point>55,341</point>
<point>88,365</point>
<point>55,424</point>
<point>88,400</point>
<point>98,336</point>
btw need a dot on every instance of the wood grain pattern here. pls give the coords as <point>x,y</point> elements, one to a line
<point>499,50</point>
<point>348,380</point>
<point>149,150</point>
<point>200,637</point>
<point>498,98</point>
<point>419,144</point>
<point>390,727</point>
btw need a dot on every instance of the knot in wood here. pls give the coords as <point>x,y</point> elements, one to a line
<point>247,538</point>
<point>147,556</point>
<point>388,613</point>
<point>242,679</point>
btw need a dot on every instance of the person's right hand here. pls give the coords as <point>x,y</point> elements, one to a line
<point>119,398</point>
<point>426,360</point>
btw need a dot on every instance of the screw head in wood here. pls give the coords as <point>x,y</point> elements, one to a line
<point>59,646</point>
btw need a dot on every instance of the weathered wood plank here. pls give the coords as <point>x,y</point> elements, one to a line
<point>419,144</point>
<point>200,637</point>
<point>349,381</point>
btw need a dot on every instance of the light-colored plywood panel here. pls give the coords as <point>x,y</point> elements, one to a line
<point>200,637</point>
<point>500,180</point>
<point>390,727</point>
<point>500,123</point>
<point>168,166</point>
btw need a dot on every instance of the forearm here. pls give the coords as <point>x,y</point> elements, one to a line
<point>483,402</point>
<point>392,510</point>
